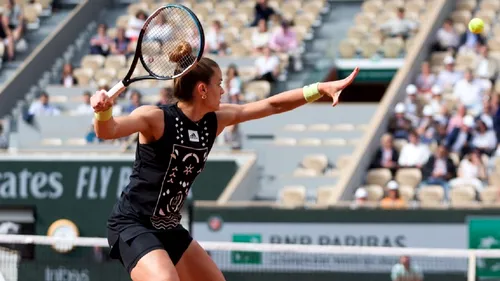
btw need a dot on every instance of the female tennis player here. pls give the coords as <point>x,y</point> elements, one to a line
<point>144,230</point>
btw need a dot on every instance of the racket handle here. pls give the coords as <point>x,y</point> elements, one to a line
<point>116,90</point>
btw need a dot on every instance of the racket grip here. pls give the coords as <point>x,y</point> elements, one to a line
<point>116,90</point>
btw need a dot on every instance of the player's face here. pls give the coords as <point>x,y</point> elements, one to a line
<point>214,91</point>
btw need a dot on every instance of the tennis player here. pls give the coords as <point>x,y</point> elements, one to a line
<point>144,230</point>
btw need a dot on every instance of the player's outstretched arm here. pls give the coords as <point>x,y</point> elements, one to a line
<point>230,114</point>
<point>108,127</point>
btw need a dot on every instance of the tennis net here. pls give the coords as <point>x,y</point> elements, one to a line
<point>30,258</point>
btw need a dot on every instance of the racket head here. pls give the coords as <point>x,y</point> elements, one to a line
<point>170,27</point>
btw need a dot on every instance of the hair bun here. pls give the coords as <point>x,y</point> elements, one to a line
<point>180,52</point>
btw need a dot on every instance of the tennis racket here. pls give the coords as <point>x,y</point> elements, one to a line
<point>170,43</point>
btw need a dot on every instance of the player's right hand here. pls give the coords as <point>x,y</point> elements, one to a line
<point>100,101</point>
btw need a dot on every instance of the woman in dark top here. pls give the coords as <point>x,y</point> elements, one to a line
<point>144,230</point>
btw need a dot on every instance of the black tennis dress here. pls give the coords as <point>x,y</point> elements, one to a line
<point>147,215</point>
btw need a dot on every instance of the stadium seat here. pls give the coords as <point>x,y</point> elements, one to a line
<point>375,192</point>
<point>430,194</point>
<point>409,177</point>
<point>378,177</point>
<point>292,196</point>
<point>323,194</point>
<point>316,162</point>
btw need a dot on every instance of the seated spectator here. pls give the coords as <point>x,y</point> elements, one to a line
<point>411,103</point>
<point>447,38</point>
<point>161,30</point>
<point>399,124</point>
<point>263,11</point>
<point>386,156</point>
<point>469,92</point>
<point>6,37</point>
<point>85,108</point>
<point>135,25</point>
<point>436,102</point>
<point>393,199</point>
<point>471,171</point>
<point>284,40</point>
<point>4,142</point>
<point>448,77</point>
<point>360,198</point>
<point>121,44</point>
<point>41,107</point>
<point>406,271</point>
<point>413,154</point>
<point>232,85</point>
<point>456,120</point>
<point>485,139</point>
<point>426,128</point>
<point>426,79</point>
<point>459,140</point>
<point>469,42</point>
<point>215,41</point>
<point>135,101</point>
<point>486,67</point>
<point>68,80</point>
<point>399,26</point>
<point>100,44</point>
<point>260,36</point>
<point>439,169</point>
<point>16,20</point>
<point>166,96</point>
<point>268,66</point>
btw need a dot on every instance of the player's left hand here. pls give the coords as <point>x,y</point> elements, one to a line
<point>334,88</point>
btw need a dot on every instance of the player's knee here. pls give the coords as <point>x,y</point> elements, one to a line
<point>159,276</point>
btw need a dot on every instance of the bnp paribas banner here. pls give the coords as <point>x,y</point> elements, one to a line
<point>484,233</point>
<point>397,235</point>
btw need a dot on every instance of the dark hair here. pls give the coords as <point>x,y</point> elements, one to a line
<point>202,72</point>
<point>234,68</point>
<point>43,94</point>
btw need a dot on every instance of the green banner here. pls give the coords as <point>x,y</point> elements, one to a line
<point>238,257</point>
<point>484,233</point>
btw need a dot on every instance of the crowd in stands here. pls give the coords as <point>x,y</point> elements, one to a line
<point>442,140</point>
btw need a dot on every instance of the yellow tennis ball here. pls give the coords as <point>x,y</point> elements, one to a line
<point>476,25</point>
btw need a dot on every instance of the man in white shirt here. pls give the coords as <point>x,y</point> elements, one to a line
<point>85,108</point>
<point>448,76</point>
<point>215,41</point>
<point>413,154</point>
<point>42,107</point>
<point>486,67</point>
<point>447,37</point>
<point>469,92</point>
<point>267,66</point>
<point>399,26</point>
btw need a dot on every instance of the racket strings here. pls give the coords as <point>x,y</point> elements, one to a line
<point>167,30</point>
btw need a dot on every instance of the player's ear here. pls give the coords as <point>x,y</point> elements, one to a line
<point>202,88</point>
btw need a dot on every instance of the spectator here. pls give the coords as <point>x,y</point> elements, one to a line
<point>399,124</point>
<point>4,142</point>
<point>260,36</point>
<point>447,37</point>
<point>413,154</point>
<point>439,169</point>
<point>448,77</point>
<point>393,199</point>
<point>262,11</point>
<point>166,96</point>
<point>215,41</point>
<point>121,44</point>
<point>406,271</point>
<point>135,25</point>
<point>436,102</point>
<point>361,198</point>
<point>85,108</point>
<point>161,30</point>
<point>68,80</point>
<point>426,79</point>
<point>386,156</point>
<point>135,101</point>
<point>42,107</point>
<point>469,92</point>
<point>426,127</point>
<point>469,42</point>
<point>232,85</point>
<point>457,120</point>
<point>399,26</point>
<point>268,66</point>
<point>232,136</point>
<point>460,138</point>
<point>485,139</point>
<point>487,67</point>
<point>411,103</point>
<point>6,36</point>
<point>471,171</point>
<point>284,41</point>
<point>100,43</point>
<point>16,21</point>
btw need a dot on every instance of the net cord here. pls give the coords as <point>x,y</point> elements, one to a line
<point>264,247</point>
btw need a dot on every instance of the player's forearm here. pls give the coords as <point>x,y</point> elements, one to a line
<point>105,129</point>
<point>291,99</point>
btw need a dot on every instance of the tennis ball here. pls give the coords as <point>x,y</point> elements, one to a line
<point>476,25</point>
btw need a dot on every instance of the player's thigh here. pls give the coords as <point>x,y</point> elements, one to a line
<point>196,265</point>
<point>154,266</point>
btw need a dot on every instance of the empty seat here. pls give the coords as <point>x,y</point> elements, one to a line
<point>378,176</point>
<point>324,193</point>
<point>316,162</point>
<point>293,196</point>
<point>409,176</point>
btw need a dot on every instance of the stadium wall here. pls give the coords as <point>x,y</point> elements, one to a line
<point>356,171</point>
<point>47,52</point>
